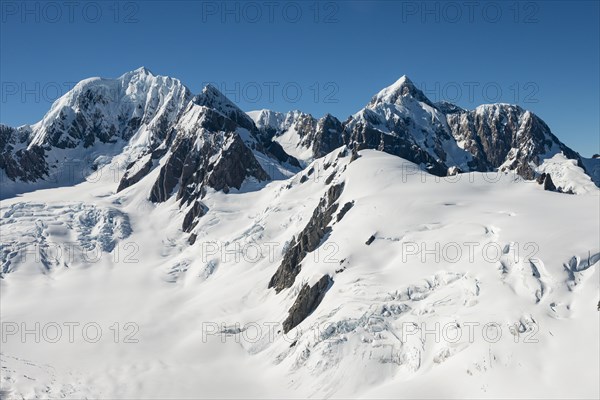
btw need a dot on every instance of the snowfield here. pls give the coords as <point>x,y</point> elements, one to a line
<point>479,285</point>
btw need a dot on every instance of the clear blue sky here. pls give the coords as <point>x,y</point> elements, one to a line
<point>543,56</point>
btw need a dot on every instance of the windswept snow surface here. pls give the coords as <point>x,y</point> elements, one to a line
<point>567,175</point>
<point>476,285</point>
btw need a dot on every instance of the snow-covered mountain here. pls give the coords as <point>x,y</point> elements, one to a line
<point>229,254</point>
<point>141,116</point>
<point>300,135</point>
<point>97,118</point>
<point>443,138</point>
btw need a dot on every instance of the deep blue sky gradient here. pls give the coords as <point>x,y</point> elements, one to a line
<point>543,56</point>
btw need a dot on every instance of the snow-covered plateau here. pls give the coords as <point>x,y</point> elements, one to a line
<point>158,244</point>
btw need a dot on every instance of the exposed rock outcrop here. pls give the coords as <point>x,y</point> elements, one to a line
<point>308,240</point>
<point>307,302</point>
<point>191,218</point>
<point>207,152</point>
<point>363,135</point>
<point>135,172</point>
<point>344,210</point>
<point>18,161</point>
<point>505,137</point>
<point>275,150</point>
<point>328,136</point>
<point>318,136</point>
<point>546,180</point>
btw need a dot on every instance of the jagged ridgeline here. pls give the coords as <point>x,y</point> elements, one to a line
<point>203,142</point>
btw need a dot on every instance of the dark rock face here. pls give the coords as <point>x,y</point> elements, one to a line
<point>362,135</point>
<point>133,174</point>
<point>169,174</point>
<point>545,180</point>
<point>355,156</point>
<point>344,210</point>
<point>306,126</point>
<point>330,178</point>
<point>548,184</point>
<point>25,164</point>
<point>212,98</point>
<point>307,302</point>
<point>18,161</point>
<point>497,133</point>
<point>328,136</point>
<point>210,154</point>
<point>308,240</point>
<point>190,220</point>
<point>592,168</point>
<point>448,108</point>
<point>235,165</point>
<point>275,150</point>
<point>322,135</point>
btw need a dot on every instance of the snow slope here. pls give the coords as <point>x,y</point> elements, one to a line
<point>292,130</point>
<point>199,320</point>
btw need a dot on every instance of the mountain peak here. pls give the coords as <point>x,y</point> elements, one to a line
<point>403,80</point>
<point>392,94</point>
<point>212,97</point>
<point>210,88</point>
<point>138,72</point>
<point>142,71</point>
